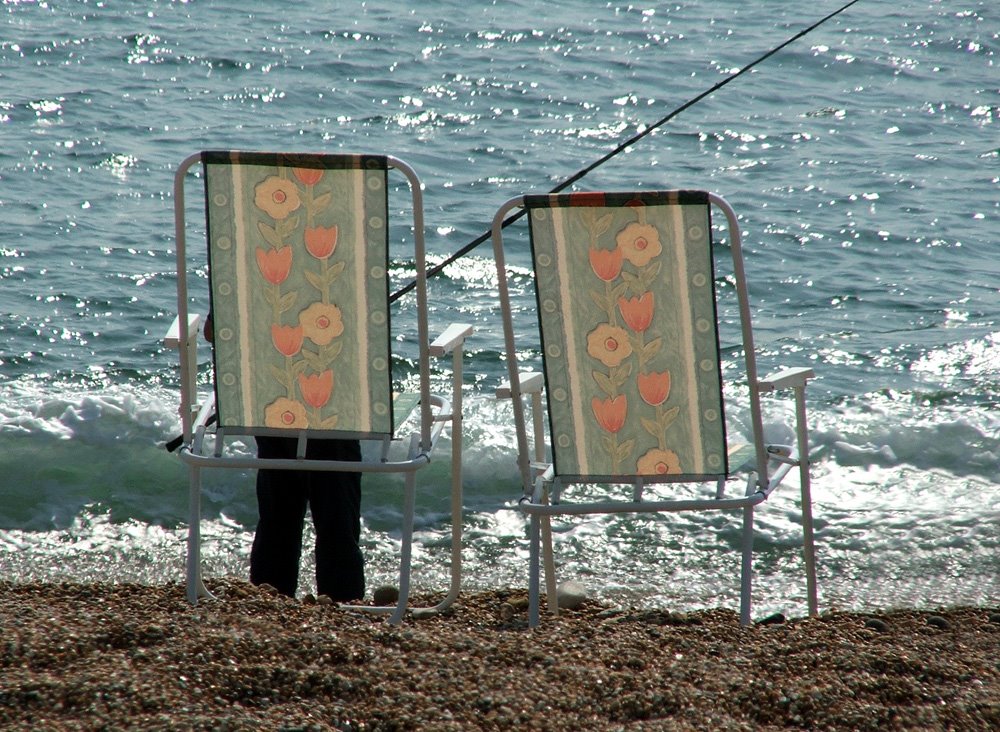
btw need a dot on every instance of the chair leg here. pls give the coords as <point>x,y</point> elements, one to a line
<point>808,543</point>
<point>399,612</point>
<point>551,596</point>
<point>409,501</point>
<point>746,571</point>
<point>456,497</point>
<point>456,523</point>
<point>533,571</point>
<point>195,585</point>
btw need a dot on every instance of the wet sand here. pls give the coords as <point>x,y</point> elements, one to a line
<point>91,656</point>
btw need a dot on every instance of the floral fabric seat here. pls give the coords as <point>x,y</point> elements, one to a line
<point>298,262</point>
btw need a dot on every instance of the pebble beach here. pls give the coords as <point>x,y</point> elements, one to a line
<point>129,656</point>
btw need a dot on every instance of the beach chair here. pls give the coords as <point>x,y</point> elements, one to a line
<point>298,261</point>
<point>632,375</point>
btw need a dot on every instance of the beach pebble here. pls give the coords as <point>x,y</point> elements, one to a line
<point>776,619</point>
<point>518,603</point>
<point>938,622</point>
<point>663,617</point>
<point>681,618</point>
<point>385,595</point>
<point>570,595</point>
<point>63,646</point>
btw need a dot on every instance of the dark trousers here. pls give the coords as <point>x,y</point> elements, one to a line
<point>334,500</point>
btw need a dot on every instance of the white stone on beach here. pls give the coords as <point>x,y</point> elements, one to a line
<point>570,595</point>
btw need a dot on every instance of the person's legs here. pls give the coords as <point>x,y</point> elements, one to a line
<point>281,503</point>
<point>335,502</point>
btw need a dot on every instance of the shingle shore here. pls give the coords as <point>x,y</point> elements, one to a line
<point>107,656</point>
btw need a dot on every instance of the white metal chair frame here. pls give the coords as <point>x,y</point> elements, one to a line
<point>435,413</point>
<point>537,475</point>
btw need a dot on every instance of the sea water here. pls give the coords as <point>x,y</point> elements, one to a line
<point>863,160</point>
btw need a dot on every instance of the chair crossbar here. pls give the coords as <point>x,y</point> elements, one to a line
<point>579,509</point>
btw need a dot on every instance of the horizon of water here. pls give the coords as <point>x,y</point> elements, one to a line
<point>863,160</point>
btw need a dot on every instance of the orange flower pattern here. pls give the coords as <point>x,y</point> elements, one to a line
<point>275,264</point>
<point>321,241</point>
<point>610,413</point>
<point>316,388</point>
<point>654,388</point>
<point>308,176</point>
<point>287,339</point>
<point>637,311</point>
<point>606,263</point>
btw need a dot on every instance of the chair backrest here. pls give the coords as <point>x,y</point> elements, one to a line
<point>298,260</point>
<point>626,305</point>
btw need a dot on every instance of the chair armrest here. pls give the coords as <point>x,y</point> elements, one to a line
<point>453,337</point>
<point>786,379</point>
<point>531,383</point>
<point>173,337</point>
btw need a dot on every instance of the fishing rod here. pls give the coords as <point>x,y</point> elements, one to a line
<point>436,269</point>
